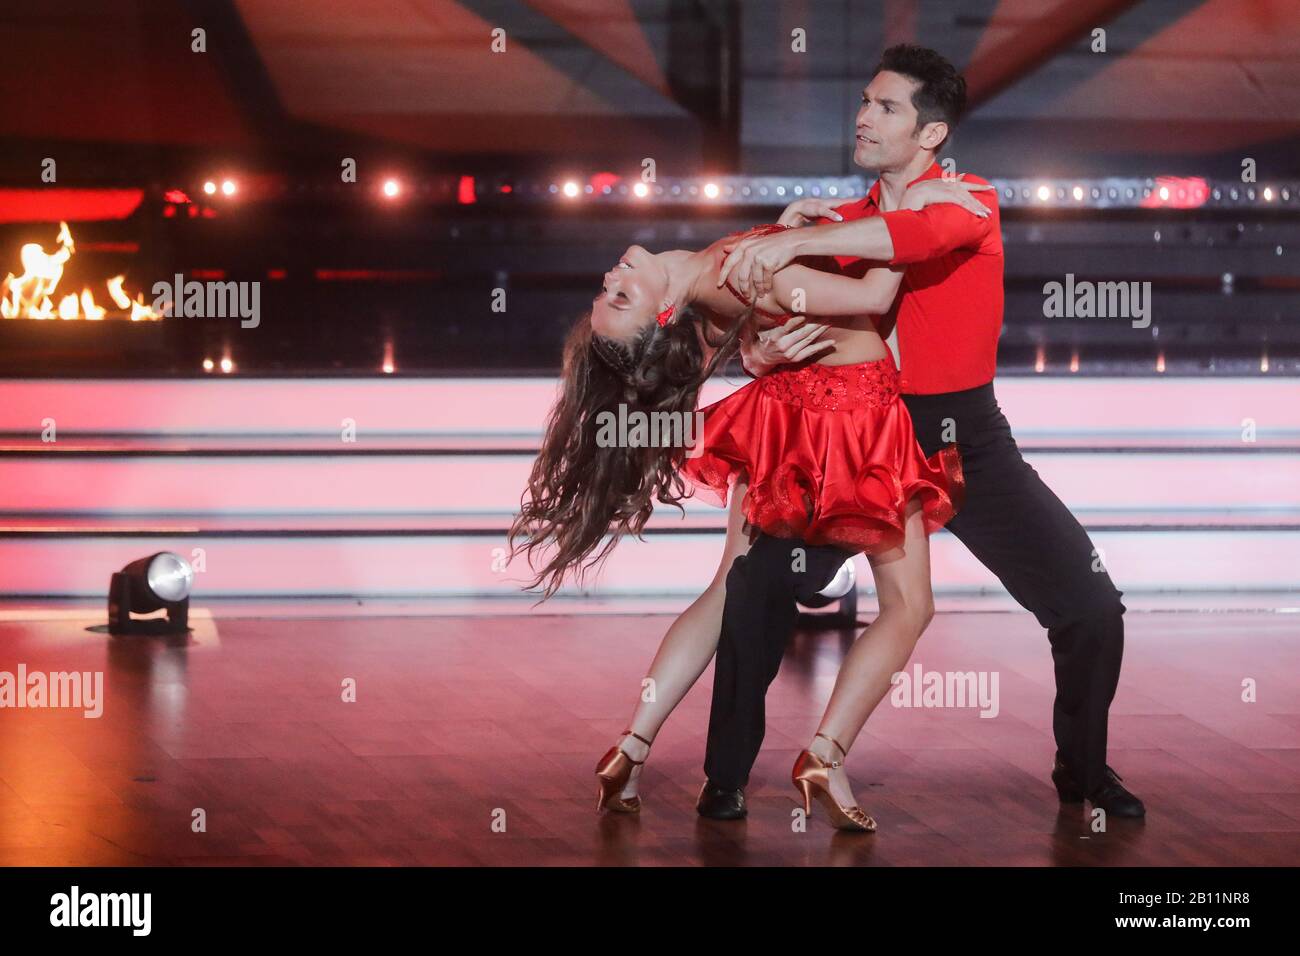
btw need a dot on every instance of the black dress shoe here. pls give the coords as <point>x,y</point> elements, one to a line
<point>719,804</point>
<point>1110,795</point>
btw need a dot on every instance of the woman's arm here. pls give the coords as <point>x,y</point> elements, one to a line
<point>807,291</point>
<point>753,262</point>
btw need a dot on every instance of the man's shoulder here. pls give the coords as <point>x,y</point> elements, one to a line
<point>855,209</point>
<point>987,196</point>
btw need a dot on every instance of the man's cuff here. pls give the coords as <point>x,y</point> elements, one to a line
<point>912,236</point>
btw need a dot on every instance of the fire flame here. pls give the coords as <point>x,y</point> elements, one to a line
<point>31,295</point>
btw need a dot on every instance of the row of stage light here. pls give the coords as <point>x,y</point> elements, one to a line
<point>388,366</point>
<point>1111,192</point>
<point>1158,192</point>
<point>226,364</point>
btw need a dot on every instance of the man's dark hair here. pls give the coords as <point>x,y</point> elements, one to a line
<point>941,92</point>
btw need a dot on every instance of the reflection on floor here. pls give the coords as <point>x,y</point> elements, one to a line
<point>462,721</point>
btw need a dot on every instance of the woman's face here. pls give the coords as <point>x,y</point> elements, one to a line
<point>632,295</point>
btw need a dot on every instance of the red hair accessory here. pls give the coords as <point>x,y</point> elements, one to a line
<point>663,317</point>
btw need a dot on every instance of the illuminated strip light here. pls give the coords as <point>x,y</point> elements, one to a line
<point>370,275</point>
<point>72,205</point>
<point>127,247</point>
<point>1160,192</point>
<point>1178,192</point>
<point>720,190</point>
<point>465,192</point>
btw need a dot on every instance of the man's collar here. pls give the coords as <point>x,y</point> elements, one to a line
<point>873,194</point>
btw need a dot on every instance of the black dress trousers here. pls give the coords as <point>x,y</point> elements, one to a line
<point>758,620</point>
<point>1018,529</point>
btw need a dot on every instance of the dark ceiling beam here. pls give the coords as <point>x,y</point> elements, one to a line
<point>550,38</point>
<point>249,82</point>
<point>240,66</point>
<point>1032,46</point>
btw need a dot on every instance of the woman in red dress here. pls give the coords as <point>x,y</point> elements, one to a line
<point>822,450</point>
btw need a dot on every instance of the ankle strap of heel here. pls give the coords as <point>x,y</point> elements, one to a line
<point>837,744</point>
<point>629,733</point>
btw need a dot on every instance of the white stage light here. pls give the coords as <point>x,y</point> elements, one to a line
<point>160,581</point>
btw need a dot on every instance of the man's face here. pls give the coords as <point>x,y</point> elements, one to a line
<point>887,137</point>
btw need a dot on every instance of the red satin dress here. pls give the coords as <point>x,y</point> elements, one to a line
<point>829,454</point>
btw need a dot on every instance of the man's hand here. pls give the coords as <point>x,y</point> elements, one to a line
<point>755,260</point>
<point>795,341</point>
<point>803,211</point>
<point>930,191</point>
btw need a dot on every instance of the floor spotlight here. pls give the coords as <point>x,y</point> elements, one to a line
<point>160,581</point>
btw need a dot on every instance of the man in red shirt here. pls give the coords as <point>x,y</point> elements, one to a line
<point>948,318</point>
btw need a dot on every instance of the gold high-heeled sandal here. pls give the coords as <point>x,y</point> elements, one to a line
<point>812,777</point>
<point>612,774</point>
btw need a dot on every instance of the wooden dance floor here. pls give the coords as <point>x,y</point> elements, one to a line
<point>462,722</point>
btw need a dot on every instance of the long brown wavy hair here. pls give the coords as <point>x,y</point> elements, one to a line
<point>580,493</point>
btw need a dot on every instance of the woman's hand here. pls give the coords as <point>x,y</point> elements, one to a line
<point>795,341</point>
<point>803,211</point>
<point>930,191</point>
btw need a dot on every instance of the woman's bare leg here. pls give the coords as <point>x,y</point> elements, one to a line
<point>688,646</point>
<point>906,607</point>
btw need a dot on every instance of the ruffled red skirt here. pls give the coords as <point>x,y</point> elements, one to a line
<point>829,455</point>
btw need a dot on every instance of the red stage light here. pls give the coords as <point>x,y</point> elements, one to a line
<point>72,205</point>
<point>1177,192</point>
<point>465,191</point>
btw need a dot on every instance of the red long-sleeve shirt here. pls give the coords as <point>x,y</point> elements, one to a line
<point>949,310</point>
